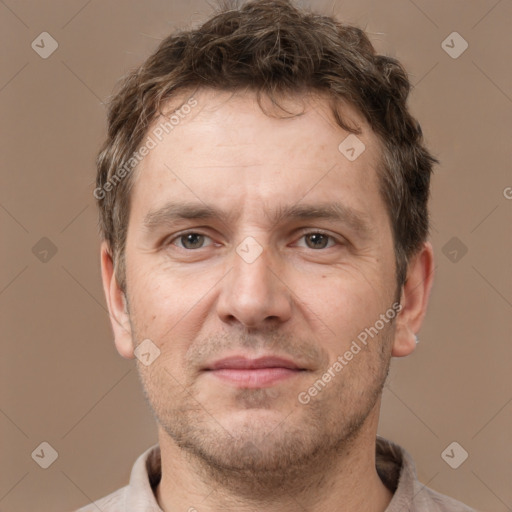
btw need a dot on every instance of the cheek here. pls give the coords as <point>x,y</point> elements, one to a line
<point>155,305</point>
<point>343,306</point>
<point>162,384</point>
<point>169,309</point>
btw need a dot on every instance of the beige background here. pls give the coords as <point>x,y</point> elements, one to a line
<point>62,380</point>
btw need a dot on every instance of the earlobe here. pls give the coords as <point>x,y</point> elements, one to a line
<point>414,300</point>
<point>119,316</point>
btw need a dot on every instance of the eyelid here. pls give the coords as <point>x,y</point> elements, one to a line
<point>303,232</point>
<point>317,231</point>
<point>177,236</point>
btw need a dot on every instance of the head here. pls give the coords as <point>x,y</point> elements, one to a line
<point>235,221</point>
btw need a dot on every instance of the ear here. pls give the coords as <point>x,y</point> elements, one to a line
<point>116,302</point>
<point>414,300</point>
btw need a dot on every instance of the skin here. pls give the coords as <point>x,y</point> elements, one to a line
<point>305,298</point>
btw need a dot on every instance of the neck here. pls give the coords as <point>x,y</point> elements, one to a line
<point>347,478</point>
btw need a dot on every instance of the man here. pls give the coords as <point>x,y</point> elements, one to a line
<point>263,205</point>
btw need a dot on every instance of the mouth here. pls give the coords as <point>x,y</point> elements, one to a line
<point>254,373</point>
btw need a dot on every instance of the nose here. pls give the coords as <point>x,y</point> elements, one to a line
<point>254,294</point>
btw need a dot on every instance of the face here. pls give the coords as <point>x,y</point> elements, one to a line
<point>257,255</point>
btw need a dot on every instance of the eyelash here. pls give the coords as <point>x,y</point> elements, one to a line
<point>306,233</point>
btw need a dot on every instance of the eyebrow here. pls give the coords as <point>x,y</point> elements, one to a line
<point>175,211</point>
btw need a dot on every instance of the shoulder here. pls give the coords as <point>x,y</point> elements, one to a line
<point>431,500</point>
<point>138,495</point>
<point>397,471</point>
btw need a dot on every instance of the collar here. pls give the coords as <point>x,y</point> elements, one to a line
<point>395,468</point>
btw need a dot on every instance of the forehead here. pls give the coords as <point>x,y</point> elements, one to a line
<point>229,118</point>
<point>223,148</point>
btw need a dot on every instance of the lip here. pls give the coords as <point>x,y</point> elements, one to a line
<point>254,373</point>
<point>246,363</point>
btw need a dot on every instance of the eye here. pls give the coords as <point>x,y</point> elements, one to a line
<point>190,240</point>
<point>194,240</point>
<point>318,240</point>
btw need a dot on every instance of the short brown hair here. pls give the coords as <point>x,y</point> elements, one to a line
<point>272,47</point>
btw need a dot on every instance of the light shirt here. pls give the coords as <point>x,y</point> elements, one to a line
<point>394,465</point>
